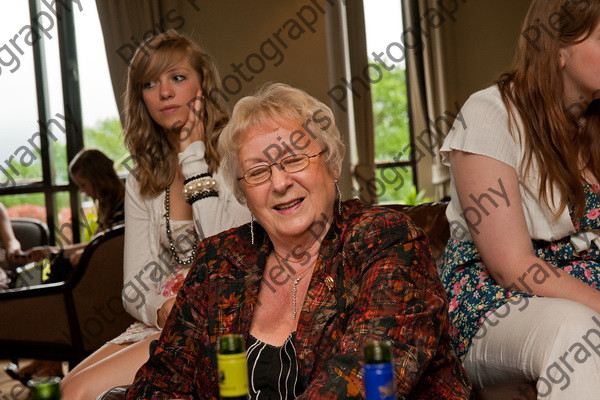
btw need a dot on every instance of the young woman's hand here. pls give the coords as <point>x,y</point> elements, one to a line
<point>33,255</point>
<point>193,130</point>
<point>13,250</point>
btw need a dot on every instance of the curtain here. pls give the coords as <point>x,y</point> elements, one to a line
<point>362,108</point>
<point>430,90</point>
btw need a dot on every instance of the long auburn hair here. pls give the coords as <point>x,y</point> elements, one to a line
<point>97,168</point>
<point>143,137</point>
<point>534,90</point>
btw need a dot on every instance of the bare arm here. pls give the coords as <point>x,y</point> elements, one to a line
<point>502,237</point>
<point>9,241</point>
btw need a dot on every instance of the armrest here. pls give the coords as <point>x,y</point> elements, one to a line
<point>33,291</point>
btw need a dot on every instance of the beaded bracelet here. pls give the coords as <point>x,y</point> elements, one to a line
<point>193,178</point>
<point>201,184</point>
<point>199,196</point>
<point>200,188</point>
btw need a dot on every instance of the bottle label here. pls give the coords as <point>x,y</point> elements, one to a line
<point>233,378</point>
<point>379,382</point>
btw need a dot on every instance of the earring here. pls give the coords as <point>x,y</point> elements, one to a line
<point>339,193</point>
<point>252,229</point>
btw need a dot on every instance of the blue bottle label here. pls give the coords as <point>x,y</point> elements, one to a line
<point>379,382</point>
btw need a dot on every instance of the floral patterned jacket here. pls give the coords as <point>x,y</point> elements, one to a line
<point>375,280</point>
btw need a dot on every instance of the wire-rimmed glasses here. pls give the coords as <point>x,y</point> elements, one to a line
<point>290,164</point>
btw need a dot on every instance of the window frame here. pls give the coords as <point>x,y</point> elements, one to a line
<point>411,162</point>
<point>72,109</point>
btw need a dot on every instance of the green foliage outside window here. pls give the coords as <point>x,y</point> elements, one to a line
<point>392,137</point>
<point>390,115</point>
<point>105,136</point>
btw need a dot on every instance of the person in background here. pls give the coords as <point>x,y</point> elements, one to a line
<point>174,198</point>
<point>10,249</point>
<point>522,278</point>
<point>310,281</point>
<point>94,174</point>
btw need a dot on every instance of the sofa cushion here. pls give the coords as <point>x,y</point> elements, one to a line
<point>431,217</point>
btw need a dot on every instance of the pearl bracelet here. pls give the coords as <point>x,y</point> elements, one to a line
<point>199,188</point>
<point>193,178</point>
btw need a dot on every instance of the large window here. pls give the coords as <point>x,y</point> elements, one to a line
<point>40,51</point>
<point>19,162</point>
<point>102,126</point>
<point>395,172</point>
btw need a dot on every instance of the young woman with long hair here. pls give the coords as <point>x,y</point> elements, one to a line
<point>522,268</point>
<point>94,174</point>
<point>174,198</point>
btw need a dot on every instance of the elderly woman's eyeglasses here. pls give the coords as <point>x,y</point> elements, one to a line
<point>290,164</point>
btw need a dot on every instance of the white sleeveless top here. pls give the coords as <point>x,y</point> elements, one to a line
<point>482,128</point>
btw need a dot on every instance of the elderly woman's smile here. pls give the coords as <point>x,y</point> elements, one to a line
<point>286,208</point>
<point>290,193</point>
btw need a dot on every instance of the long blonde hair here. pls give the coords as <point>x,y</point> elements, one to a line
<point>143,137</point>
<point>534,90</point>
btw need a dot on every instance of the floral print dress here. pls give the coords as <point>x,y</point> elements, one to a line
<point>183,233</point>
<point>474,295</point>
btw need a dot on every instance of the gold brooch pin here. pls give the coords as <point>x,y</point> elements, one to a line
<point>329,283</point>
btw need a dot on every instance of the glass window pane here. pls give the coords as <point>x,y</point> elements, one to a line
<point>390,115</point>
<point>102,126</point>
<point>19,159</point>
<point>87,219</point>
<point>383,23</point>
<point>64,226</point>
<point>25,205</point>
<point>57,116</point>
<point>394,185</point>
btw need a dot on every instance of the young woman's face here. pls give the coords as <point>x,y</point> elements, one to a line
<point>169,97</point>
<point>84,185</point>
<point>581,68</point>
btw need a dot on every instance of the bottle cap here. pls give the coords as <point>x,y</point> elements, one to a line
<point>44,388</point>
<point>378,352</point>
<point>231,344</point>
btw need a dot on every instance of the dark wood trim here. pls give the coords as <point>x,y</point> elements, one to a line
<point>71,97</point>
<point>412,20</point>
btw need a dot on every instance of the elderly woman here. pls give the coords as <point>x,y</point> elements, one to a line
<point>310,281</point>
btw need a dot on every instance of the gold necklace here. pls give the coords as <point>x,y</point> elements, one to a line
<point>295,281</point>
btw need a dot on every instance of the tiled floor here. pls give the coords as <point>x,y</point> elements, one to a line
<point>9,388</point>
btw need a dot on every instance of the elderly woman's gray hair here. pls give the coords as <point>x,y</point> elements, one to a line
<point>275,105</point>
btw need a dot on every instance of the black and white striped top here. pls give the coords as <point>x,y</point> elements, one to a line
<point>272,370</point>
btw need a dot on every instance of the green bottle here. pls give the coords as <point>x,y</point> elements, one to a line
<point>378,371</point>
<point>233,373</point>
<point>46,388</point>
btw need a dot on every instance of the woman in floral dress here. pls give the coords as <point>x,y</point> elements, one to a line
<point>523,264</point>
